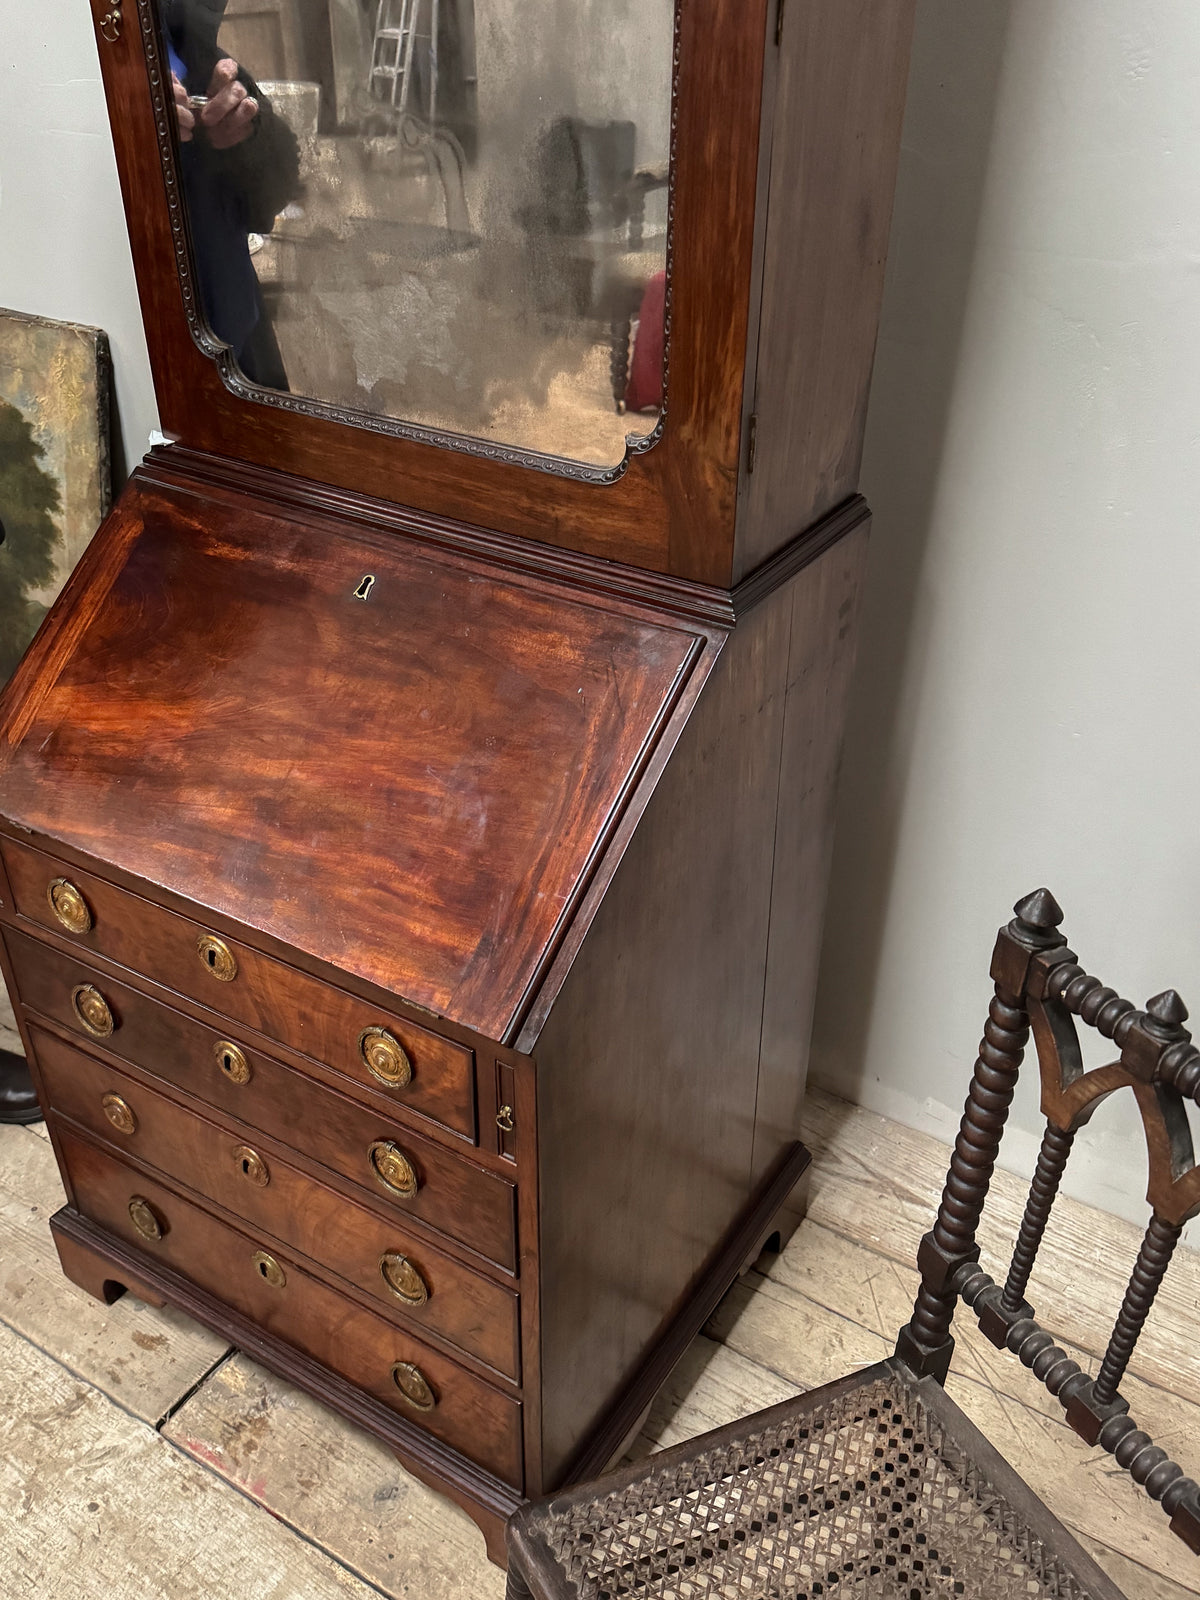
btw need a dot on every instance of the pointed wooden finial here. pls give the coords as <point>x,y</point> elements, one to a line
<point>1168,1009</point>
<point>1039,910</point>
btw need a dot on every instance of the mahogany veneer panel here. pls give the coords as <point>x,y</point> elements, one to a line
<point>410,787</point>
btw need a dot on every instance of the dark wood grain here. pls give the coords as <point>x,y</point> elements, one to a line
<point>472,1416</point>
<point>289,1209</point>
<point>843,72</point>
<point>648,1063</point>
<point>821,652</point>
<point>413,788</point>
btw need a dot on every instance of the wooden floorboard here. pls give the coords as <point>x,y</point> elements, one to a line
<point>339,1487</point>
<point>98,1504</point>
<point>325,1510</point>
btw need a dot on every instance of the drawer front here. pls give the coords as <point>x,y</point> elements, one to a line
<point>424,1072</point>
<point>454,1195</point>
<point>248,1274</point>
<point>409,1277</point>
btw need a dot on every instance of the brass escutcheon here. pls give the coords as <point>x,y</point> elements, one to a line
<point>402,1279</point>
<point>253,1166</point>
<point>217,959</point>
<point>268,1268</point>
<point>118,1113</point>
<point>69,906</point>
<point>393,1168</point>
<point>386,1057</point>
<point>111,23</point>
<point>413,1386</point>
<point>232,1061</point>
<point>144,1219</point>
<point>92,1009</point>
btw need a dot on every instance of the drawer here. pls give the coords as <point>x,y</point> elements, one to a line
<point>453,1194</point>
<point>241,1270</point>
<point>273,1198</point>
<point>423,1071</point>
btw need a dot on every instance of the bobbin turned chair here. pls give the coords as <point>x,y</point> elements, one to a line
<point>877,1484</point>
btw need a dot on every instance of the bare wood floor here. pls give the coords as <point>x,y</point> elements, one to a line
<point>140,1459</point>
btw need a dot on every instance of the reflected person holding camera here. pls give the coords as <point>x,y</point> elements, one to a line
<point>240,167</point>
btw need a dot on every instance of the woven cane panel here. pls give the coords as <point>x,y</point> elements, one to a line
<point>864,1496</point>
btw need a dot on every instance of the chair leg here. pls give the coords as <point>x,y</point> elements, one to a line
<point>925,1344</point>
<point>516,1588</point>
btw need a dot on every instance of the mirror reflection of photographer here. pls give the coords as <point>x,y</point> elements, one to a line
<point>241,167</point>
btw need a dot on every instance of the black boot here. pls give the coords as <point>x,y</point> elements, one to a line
<point>18,1098</point>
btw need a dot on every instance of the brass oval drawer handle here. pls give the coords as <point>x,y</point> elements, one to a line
<point>393,1169</point>
<point>504,1120</point>
<point>269,1269</point>
<point>232,1061</point>
<point>253,1166</point>
<point>69,906</point>
<point>413,1386</point>
<point>144,1218</point>
<point>118,1113</point>
<point>93,1011</point>
<point>402,1279</point>
<point>217,959</point>
<point>385,1057</point>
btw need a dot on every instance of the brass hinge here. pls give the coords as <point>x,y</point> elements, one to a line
<point>752,449</point>
<point>780,8</point>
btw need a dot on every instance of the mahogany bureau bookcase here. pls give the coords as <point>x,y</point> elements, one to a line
<point>415,813</point>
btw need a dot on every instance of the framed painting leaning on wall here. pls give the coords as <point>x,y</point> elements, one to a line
<point>55,465</point>
<point>55,480</point>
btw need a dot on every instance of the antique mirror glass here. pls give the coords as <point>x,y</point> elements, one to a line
<point>443,213</point>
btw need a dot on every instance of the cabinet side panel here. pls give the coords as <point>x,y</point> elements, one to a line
<point>825,611</point>
<point>648,1064</point>
<point>843,72</point>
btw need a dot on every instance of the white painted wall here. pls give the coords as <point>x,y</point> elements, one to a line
<point>1028,702</point>
<point>1027,699</point>
<point>63,247</point>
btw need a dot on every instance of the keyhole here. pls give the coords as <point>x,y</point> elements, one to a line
<point>363,591</point>
<point>246,1167</point>
<point>227,1062</point>
<point>262,1267</point>
<point>211,957</point>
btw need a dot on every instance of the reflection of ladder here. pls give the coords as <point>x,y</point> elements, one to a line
<point>398,26</point>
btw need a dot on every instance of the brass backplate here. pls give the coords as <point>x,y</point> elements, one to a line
<point>217,959</point>
<point>144,1218</point>
<point>393,1169</point>
<point>118,1113</point>
<point>385,1057</point>
<point>413,1386</point>
<point>92,1010</point>
<point>253,1166</point>
<point>402,1279</point>
<point>269,1269</point>
<point>69,906</point>
<point>231,1059</point>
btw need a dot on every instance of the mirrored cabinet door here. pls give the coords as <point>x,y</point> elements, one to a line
<point>447,215</point>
